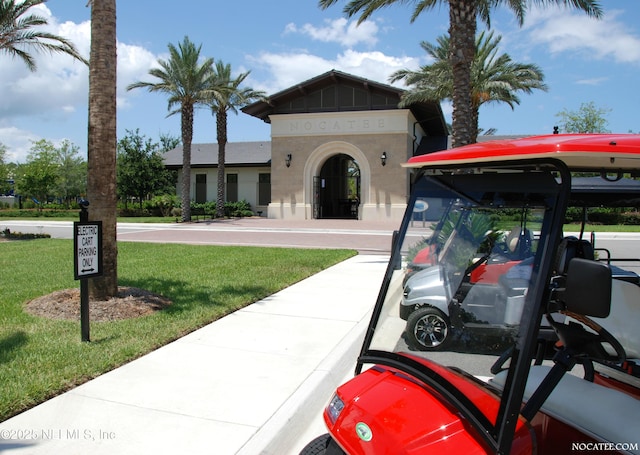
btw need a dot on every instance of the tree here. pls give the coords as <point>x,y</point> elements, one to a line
<point>494,78</point>
<point>185,80</point>
<point>168,142</point>
<point>141,171</point>
<point>17,31</point>
<point>224,95</point>
<point>52,172</point>
<point>101,150</point>
<point>38,176</point>
<point>587,119</point>
<point>462,31</point>
<point>4,170</point>
<point>72,172</point>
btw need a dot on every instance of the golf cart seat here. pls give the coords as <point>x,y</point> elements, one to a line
<point>623,318</point>
<point>606,413</point>
<point>569,248</point>
<point>583,293</point>
<point>519,242</point>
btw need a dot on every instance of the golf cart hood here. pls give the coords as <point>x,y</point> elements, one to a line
<point>392,408</point>
<point>427,287</point>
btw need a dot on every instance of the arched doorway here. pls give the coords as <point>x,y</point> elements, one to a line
<point>336,191</point>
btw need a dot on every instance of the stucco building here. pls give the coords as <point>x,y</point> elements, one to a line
<point>337,142</point>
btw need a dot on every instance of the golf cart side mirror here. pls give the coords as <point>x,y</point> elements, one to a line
<point>588,288</point>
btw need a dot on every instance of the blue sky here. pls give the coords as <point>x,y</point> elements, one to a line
<point>285,42</point>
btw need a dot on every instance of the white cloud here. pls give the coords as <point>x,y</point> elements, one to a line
<point>564,31</point>
<point>59,87</point>
<point>18,143</point>
<point>592,81</point>
<point>340,31</point>
<point>59,83</point>
<point>375,66</point>
<point>288,69</point>
<point>134,63</point>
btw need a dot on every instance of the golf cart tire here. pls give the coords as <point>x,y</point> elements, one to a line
<point>434,318</point>
<point>319,446</point>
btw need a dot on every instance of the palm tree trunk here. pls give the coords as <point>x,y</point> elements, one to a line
<point>475,122</point>
<point>462,32</point>
<point>187,136</point>
<point>221,132</point>
<point>102,138</point>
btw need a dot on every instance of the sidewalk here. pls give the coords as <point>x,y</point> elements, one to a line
<point>250,383</point>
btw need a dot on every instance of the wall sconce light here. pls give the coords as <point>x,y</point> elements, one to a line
<point>383,158</point>
<point>287,160</point>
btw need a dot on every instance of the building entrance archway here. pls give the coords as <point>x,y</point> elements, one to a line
<point>336,189</point>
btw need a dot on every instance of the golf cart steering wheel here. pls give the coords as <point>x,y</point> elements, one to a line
<point>602,336</point>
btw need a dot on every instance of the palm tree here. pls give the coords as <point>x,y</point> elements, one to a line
<point>224,95</point>
<point>494,78</point>
<point>463,15</point>
<point>185,80</point>
<point>17,32</point>
<point>101,150</point>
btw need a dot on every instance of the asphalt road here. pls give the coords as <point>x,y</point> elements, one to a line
<point>366,237</point>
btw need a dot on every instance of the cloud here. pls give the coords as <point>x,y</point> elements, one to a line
<point>58,85</point>
<point>59,88</point>
<point>592,81</point>
<point>134,63</point>
<point>18,143</point>
<point>564,32</point>
<point>340,31</point>
<point>288,69</point>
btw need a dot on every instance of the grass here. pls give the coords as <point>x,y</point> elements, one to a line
<point>602,228</point>
<point>204,283</point>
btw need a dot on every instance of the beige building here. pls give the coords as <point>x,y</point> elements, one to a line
<point>337,144</point>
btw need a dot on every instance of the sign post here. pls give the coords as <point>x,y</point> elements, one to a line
<point>87,245</point>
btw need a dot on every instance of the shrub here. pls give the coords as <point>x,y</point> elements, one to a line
<point>237,209</point>
<point>162,205</point>
<point>203,209</point>
<point>6,233</point>
<point>31,213</point>
<point>604,215</point>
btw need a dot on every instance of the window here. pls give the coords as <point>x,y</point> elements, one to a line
<point>264,189</point>
<point>232,188</point>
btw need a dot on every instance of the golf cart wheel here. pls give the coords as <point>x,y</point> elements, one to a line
<point>318,446</point>
<point>428,329</point>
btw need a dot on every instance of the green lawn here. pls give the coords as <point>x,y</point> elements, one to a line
<point>40,358</point>
<point>602,228</point>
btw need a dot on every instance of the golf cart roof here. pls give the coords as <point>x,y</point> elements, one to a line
<point>580,152</point>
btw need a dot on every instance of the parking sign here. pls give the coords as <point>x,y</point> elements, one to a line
<point>87,243</point>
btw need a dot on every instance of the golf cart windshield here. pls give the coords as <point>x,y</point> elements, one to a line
<point>466,259</point>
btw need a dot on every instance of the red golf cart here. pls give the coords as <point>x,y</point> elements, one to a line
<point>489,393</point>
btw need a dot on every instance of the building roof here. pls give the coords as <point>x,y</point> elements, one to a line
<point>246,154</point>
<point>329,92</point>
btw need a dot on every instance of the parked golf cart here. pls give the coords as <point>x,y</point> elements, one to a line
<point>478,395</point>
<point>436,312</point>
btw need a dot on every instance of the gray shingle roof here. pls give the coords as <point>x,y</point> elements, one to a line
<point>236,154</point>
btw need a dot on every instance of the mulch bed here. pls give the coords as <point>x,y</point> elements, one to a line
<point>130,303</point>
